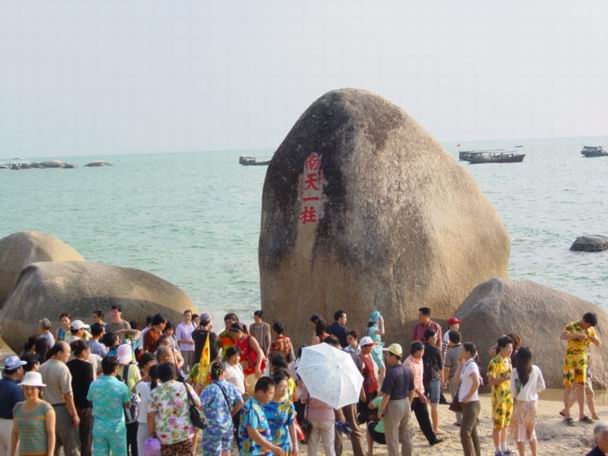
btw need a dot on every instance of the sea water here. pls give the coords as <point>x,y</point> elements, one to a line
<point>194,218</point>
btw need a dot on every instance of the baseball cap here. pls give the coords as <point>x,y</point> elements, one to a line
<point>205,318</point>
<point>366,341</point>
<point>124,354</point>
<point>78,324</point>
<point>13,363</point>
<point>394,349</point>
<point>454,321</point>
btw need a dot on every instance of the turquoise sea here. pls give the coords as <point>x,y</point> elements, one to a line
<point>193,218</point>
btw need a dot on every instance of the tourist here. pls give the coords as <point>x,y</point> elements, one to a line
<point>314,318</point>
<point>322,419</point>
<point>183,335</point>
<point>169,333</point>
<point>58,392</point>
<point>252,358</point>
<point>433,375</point>
<point>424,323</point>
<point>10,395</point>
<point>98,318</point>
<point>397,393</point>
<point>169,413</point>
<point>129,373</point>
<point>278,363</point>
<point>45,332</point>
<point>34,423</point>
<point>499,377</point>
<point>233,372</point>
<point>600,439</point>
<point>419,401</point>
<point>29,346</point>
<point>579,336</point>
<point>451,369</point>
<point>77,331</point>
<point>225,339</point>
<point>281,343</point>
<point>221,402</point>
<point>320,332</point>
<point>199,336</point>
<point>254,432</point>
<point>468,396</point>
<point>370,380</point>
<point>281,416</point>
<point>352,343</point>
<point>526,382</point>
<point>111,342</point>
<point>589,393</point>
<point>375,425</point>
<point>109,397</point>
<point>64,328</point>
<point>261,331</point>
<point>375,330</point>
<point>32,361</point>
<point>97,332</point>
<point>453,326</point>
<point>196,320</point>
<point>144,391</point>
<point>82,376</point>
<point>154,333</point>
<point>117,325</point>
<point>338,327</point>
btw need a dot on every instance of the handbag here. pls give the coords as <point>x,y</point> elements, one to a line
<point>456,405</point>
<point>198,419</point>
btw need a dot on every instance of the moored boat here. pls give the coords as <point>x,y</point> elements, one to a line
<point>497,157</point>
<point>594,151</point>
<point>253,161</point>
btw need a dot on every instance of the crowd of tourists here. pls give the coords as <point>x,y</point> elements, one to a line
<point>109,387</point>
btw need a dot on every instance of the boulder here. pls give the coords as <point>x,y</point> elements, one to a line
<point>52,164</point>
<point>25,247</point>
<point>98,163</point>
<point>48,289</point>
<point>595,243</point>
<point>536,313</point>
<point>362,210</point>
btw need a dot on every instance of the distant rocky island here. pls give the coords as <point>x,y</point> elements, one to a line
<point>19,164</point>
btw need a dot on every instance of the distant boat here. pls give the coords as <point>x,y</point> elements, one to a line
<point>464,155</point>
<point>496,157</point>
<point>594,151</point>
<point>253,161</point>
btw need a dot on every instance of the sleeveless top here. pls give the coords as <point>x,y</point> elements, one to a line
<point>249,357</point>
<point>32,428</point>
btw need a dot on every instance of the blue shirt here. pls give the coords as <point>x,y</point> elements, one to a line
<point>252,415</point>
<point>108,395</point>
<point>215,407</point>
<point>280,416</point>
<point>10,394</point>
<point>98,348</point>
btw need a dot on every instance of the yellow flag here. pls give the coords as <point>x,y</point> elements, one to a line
<point>204,364</point>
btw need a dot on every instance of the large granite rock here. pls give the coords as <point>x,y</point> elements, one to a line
<point>536,313</point>
<point>25,247</point>
<point>595,243</point>
<point>362,209</point>
<point>47,289</point>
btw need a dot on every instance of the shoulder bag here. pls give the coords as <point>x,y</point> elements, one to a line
<point>199,420</point>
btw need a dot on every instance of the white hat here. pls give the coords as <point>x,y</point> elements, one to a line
<point>366,341</point>
<point>124,354</point>
<point>78,324</point>
<point>32,379</point>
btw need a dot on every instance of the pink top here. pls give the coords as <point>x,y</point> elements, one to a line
<point>316,410</point>
<point>419,330</point>
<point>418,369</point>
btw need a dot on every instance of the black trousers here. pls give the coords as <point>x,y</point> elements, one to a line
<point>424,421</point>
<point>132,439</point>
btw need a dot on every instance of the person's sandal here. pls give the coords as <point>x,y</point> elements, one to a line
<point>586,420</point>
<point>569,421</point>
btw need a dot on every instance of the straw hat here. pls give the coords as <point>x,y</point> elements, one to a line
<point>32,379</point>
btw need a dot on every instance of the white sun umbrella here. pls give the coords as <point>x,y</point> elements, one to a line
<point>330,375</point>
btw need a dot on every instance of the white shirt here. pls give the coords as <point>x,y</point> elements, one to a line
<point>143,389</point>
<point>529,391</point>
<point>184,332</point>
<point>234,374</point>
<point>466,383</point>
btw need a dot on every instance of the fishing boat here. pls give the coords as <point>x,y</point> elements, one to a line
<point>464,155</point>
<point>496,157</point>
<point>253,161</point>
<point>593,151</point>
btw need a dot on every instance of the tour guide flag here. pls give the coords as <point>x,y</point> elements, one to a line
<point>204,364</point>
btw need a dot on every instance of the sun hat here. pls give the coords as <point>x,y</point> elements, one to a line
<point>13,363</point>
<point>374,317</point>
<point>454,321</point>
<point>32,379</point>
<point>394,349</point>
<point>124,354</point>
<point>78,324</point>
<point>365,341</point>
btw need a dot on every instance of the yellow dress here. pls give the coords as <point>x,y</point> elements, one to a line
<point>576,361</point>
<point>502,399</point>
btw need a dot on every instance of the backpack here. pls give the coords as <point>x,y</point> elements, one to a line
<point>132,412</point>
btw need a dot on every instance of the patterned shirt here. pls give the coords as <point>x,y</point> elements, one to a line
<point>575,347</point>
<point>499,367</point>
<point>280,416</point>
<point>172,421</point>
<point>108,395</point>
<point>32,428</point>
<point>215,407</point>
<point>417,367</point>
<point>252,415</point>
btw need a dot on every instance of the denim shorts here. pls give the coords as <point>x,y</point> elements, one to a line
<point>435,391</point>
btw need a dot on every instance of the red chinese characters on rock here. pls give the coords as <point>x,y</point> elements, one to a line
<point>311,190</point>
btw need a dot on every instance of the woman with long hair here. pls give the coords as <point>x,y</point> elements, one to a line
<point>526,382</point>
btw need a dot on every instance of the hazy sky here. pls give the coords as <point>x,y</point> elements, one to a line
<point>115,76</point>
